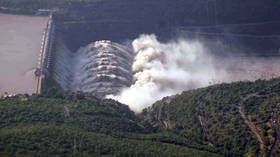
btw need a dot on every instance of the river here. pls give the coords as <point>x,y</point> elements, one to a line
<point>20,43</point>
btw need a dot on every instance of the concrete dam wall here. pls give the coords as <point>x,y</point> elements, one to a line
<point>47,47</point>
<point>80,51</point>
<point>100,68</point>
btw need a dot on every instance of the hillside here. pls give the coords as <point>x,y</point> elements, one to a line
<point>250,26</point>
<point>202,122</point>
<point>76,126</point>
<point>188,12</point>
<point>233,120</point>
<point>238,119</point>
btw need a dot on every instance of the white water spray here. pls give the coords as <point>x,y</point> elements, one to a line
<point>100,68</point>
<point>154,71</point>
<point>165,69</point>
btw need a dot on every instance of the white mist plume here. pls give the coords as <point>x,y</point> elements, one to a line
<point>166,69</point>
<point>158,69</point>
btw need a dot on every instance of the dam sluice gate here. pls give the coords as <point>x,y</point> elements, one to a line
<point>100,68</point>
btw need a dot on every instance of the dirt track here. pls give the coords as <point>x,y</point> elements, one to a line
<point>249,123</point>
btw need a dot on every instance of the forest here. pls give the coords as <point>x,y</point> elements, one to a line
<point>202,122</point>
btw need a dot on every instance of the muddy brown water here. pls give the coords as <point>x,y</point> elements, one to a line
<point>20,44</point>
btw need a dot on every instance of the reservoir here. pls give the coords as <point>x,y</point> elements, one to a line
<point>20,44</point>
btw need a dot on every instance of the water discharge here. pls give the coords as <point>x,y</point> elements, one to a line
<point>150,70</point>
<point>164,69</point>
<point>100,68</point>
<point>137,74</point>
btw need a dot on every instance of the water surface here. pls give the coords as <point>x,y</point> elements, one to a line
<point>20,43</point>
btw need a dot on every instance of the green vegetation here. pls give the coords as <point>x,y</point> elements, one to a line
<point>260,110</point>
<point>65,125</point>
<point>221,125</point>
<point>202,122</point>
<point>32,6</point>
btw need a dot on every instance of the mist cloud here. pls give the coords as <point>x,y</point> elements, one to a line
<point>163,69</point>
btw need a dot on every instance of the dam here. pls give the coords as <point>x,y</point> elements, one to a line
<point>31,55</point>
<point>89,49</point>
<point>100,68</point>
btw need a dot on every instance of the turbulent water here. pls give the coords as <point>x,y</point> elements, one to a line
<point>100,68</point>
<point>151,70</point>
<point>164,69</point>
